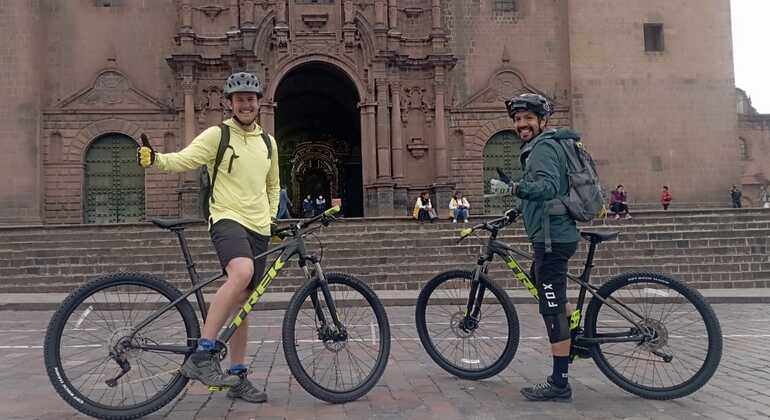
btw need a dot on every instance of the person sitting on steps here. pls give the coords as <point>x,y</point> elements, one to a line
<point>458,208</point>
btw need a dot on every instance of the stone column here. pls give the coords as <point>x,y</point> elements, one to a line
<point>247,13</point>
<point>442,174</point>
<point>383,135</point>
<point>396,135</point>
<point>20,164</point>
<point>233,15</point>
<point>393,14</point>
<point>379,13</point>
<point>186,16</point>
<point>368,143</point>
<point>188,188</point>
<point>188,88</point>
<point>436,15</point>
<point>267,116</point>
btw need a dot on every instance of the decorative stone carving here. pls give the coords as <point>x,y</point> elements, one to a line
<point>415,98</point>
<point>315,21</point>
<point>111,90</point>
<point>503,84</point>
<point>417,147</point>
<point>210,100</point>
<point>364,4</point>
<point>212,11</point>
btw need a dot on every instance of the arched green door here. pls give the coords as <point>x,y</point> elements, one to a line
<point>114,183</point>
<point>501,151</point>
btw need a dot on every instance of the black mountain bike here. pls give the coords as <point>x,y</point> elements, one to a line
<point>114,348</point>
<point>650,334</point>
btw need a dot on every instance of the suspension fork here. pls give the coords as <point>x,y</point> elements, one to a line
<point>326,293</point>
<point>476,295</point>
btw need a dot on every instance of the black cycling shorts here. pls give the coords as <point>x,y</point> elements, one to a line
<point>551,275</point>
<point>233,240</point>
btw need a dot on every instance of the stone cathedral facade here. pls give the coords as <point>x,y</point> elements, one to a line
<point>371,101</point>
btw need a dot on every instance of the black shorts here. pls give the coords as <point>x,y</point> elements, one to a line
<point>551,275</point>
<point>232,240</point>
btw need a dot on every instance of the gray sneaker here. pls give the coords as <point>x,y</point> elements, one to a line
<point>547,391</point>
<point>204,366</point>
<point>245,390</point>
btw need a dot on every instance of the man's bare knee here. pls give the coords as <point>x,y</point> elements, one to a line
<point>239,272</point>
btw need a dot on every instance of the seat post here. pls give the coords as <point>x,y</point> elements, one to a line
<point>590,259</point>
<point>191,270</point>
<point>186,252</point>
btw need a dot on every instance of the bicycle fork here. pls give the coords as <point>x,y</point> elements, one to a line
<point>475,299</point>
<point>325,331</point>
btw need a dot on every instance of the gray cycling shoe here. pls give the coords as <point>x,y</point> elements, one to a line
<point>547,391</point>
<point>245,390</point>
<point>204,366</point>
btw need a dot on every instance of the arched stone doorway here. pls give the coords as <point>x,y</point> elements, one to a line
<point>501,151</point>
<point>317,125</point>
<point>114,183</point>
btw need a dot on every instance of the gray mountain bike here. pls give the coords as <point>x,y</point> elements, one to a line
<point>114,348</point>
<point>650,334</point>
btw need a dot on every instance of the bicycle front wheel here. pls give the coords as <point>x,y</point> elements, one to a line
<point>681,343</point>
<point>470,346</point>
<point>336,366</point>
<point>89,335</point>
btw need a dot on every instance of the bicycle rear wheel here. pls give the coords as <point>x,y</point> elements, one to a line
<point>466,346</point>
<point>91,323</point>
<point>334,367</point>
<point>675,321</point>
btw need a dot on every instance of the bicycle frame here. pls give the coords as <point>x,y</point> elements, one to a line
<point>506,253</point>
<point>294,246</point>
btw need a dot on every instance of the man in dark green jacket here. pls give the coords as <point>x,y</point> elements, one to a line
<point>553,232</point>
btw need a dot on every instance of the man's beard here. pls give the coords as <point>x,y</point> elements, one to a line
<point>244,123</point>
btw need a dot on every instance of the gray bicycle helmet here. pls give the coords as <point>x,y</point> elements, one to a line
<point>529,102</point>
<point>242,82</point>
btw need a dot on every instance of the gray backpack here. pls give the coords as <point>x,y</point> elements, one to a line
<point>584,201</point>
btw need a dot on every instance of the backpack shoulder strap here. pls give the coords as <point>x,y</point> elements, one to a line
<point>268,144</point>
<point>224,141</point>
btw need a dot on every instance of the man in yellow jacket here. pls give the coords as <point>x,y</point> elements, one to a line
<point>246,199</point>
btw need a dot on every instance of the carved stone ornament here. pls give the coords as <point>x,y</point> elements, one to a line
<point>502,85</point>
<point>212,11</point>
<point>417,147</point>
<point>111,90</point>
<point>315,21</point>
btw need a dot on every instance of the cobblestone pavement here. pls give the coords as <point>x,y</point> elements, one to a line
<point>413,387</point>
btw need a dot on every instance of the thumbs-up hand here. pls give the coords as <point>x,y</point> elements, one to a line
<point>145,155</point>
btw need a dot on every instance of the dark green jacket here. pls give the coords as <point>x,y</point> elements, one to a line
<point>545,178</point>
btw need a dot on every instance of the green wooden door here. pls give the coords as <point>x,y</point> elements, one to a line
<point>114,183</point>
<point>501,151</point>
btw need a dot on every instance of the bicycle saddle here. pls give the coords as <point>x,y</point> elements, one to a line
<point>599,236</point>
<point>173,223</point>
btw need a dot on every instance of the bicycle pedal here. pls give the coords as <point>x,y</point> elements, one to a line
<point>218,388</point>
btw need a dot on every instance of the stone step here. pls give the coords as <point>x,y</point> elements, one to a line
<point>415,280</point>
<point>356,226</point>
<point>87,264</point>
<point>440,238</point>
<point>53,274</point>
<point>389,257</point>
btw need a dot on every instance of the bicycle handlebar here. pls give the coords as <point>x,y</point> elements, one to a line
<point>296,228</point>
<point>491,226</point>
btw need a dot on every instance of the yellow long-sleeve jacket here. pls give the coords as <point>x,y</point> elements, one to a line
<point>248,185</point>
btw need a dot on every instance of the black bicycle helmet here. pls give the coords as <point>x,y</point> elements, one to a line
<point>529,102</point>
<point>242,82</point>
